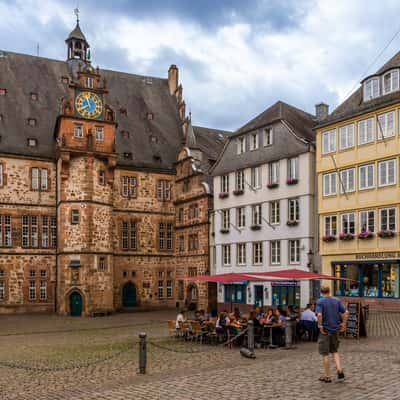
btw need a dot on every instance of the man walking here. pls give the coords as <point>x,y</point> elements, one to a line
<point>332,317</point>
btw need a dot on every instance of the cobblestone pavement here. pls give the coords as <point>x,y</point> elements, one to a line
<point>90,359</point>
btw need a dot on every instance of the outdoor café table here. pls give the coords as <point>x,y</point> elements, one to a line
<point>271,327</point>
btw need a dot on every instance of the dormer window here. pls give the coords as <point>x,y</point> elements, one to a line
<point>391,81</point>
<point>253,141</point>
<point>34,96</point>
<point>31,121</point>
<point>268,136</point>
<point>32,142</point>
<point>125,134</point>
<point>3,92</point>
<point>89,82</point>
<point>241,145</point>
<point>78,131</point>
<point>150,116</point>
<point>371,89</point>
<point>128,156</point>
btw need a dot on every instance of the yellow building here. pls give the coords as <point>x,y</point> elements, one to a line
<point>358,155</point>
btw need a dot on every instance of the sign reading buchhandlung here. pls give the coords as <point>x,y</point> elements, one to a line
<point>356,321</point>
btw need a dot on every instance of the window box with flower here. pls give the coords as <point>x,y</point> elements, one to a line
<point>366,235</point>
<point>292,181</point>
<point>346,236</point>
<point>385,234</point>
<point>238,192</point>
<point>292,223</point>
<point>224,230</point>
<point>329,238</point>
<point>272,185</point>
<point>223,195</point>
<point>255,227</point>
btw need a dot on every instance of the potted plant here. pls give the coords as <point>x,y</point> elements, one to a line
<point>292,181</point>
<point>224,230</point>
<point>272,185</point>
<point>384,234</point>
<point>255,227</point>
<point>346,236</point>
<point>365,235</point>
<point>292,223</point>
<point>238,192</point>
<point>223,195</point>
<point>328,238</point>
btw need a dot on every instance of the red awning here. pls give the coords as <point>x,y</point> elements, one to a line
<point>295,274</point>
<point>227,278</point>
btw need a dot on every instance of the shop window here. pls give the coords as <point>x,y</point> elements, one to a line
<point>235,294</point>
<point>285,295</point>
<point>390,281</point>
<point>370,281</point>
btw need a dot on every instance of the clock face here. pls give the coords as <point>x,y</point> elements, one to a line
<point>88,105</point>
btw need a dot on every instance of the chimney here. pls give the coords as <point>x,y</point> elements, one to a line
<point>321,111</point>
<point>172,79</point>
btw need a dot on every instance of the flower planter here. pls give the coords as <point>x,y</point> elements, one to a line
<point>255,227</point>
<point>223,195</point>
<point>272,185</point>
<point>365,235</point>
<point>238,192</point>
<point>328,238</point>
<point>292,223</point>
<point>224,231</point>
<point>386,234</point>
<point>292,181</point>
<point>346,236</point>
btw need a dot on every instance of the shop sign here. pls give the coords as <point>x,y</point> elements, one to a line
<point>365,256</point>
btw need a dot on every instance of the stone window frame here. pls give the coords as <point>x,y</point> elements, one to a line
<point>165,284</point>
<point>181,243</point>
<point>75,216</point>
<point>165,236</point>
<point>3,286</point>
<point>163,192</point>
<point>129,235</point>
<point>3,176</point>
<point>38,282</point>
<point>193,242</point>
<point>129,186</point>
<point>78,131</point>
<point>5,231</point>
<point>181,215</point>
<point>40,179</point>
<point>30,231</point>
<point>102,264</point>
<point>102,177</point>
<point>99,133</point>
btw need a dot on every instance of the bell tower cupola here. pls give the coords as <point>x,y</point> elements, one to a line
<point>77,45</point>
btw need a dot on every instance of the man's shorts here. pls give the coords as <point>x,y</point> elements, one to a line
<point>328,343</point>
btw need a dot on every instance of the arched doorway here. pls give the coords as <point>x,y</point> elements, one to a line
<point>129,295</point>
<point>75,304</point>
<point>192,296</point>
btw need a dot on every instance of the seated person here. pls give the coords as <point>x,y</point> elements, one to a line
<point>222,323</point>
<point>180,318</point>
<point>269,317</point>
<point>279,331</point>
<point>253,317</point>
<point>259,313</point>
<point>291,313</point>
<point>308,322</point>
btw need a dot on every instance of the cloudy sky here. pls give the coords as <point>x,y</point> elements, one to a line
<point>236,57</point>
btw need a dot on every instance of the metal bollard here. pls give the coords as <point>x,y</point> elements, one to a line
<point>142,353</point>
<point>289,333</point>
<point>250,336</point>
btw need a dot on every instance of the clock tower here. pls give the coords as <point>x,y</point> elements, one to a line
<point>86,159</point>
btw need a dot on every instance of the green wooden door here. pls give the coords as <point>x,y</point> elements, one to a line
<point>75,304</point>
<point>129,295</point>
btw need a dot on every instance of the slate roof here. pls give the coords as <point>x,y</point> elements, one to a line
<point>292,135</point>
<point>354,105</point>
<point>153,143</point>
<point>210,141</point>
<point>77,33</point>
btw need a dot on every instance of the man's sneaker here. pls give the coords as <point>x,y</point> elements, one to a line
<point>340,376</point>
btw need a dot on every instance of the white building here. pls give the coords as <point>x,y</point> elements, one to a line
<point>264,206</point>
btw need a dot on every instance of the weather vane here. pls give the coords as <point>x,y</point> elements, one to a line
<point>76,12</point>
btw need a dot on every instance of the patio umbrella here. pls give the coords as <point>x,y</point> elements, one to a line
<point>295,274</point>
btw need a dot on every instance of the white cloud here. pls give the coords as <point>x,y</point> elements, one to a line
<point>235,71</point>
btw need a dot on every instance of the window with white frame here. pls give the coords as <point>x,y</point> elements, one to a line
<point>268,138</point>
<point>293,168</point>
<point>348,223</point>
<point>163,190</point>
<point>330,225</point>
<point>347,180</point>
<point>273,173</point>
<point>239,184</point>
<point>2,285</point>
<point>29,231</point>
<point>160,284</point>
<point>366,179</point>
<point>366,131</point>
<point>329,184</point>
<point>275,251</point>
<point>329,141</point>
<point>1,175</point>
<point>226,254</point>
<point>39,179</point>
<point>102,264</point>
<point>32,290</point>
<point>241,254</point>
<point>256,214</point>
<point>241,145</point>
<point>43,290</point>
<point>387,172</point>
<point>256,177</point>
<point>225,219</point>
<point>294,209</point>
<point>129,186</point>
<point>367,221</point>
<point>371,89</point>
<point>169,284</point>
<point>294,251</point>
<point>274,212</point>
<point>257,253</point>
<point>241,217</point>
<point>99,133</point>
<point>225,183</point>
<point>78,131</point>
<point>391,81</point>
<point>89,82</point>
<point>5,230</point>
<point>346,136</point>
<point>387,219</point>
<point>254,141</point>
<point>385,125</point>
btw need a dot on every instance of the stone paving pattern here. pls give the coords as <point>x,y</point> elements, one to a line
<point>106,351</point>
